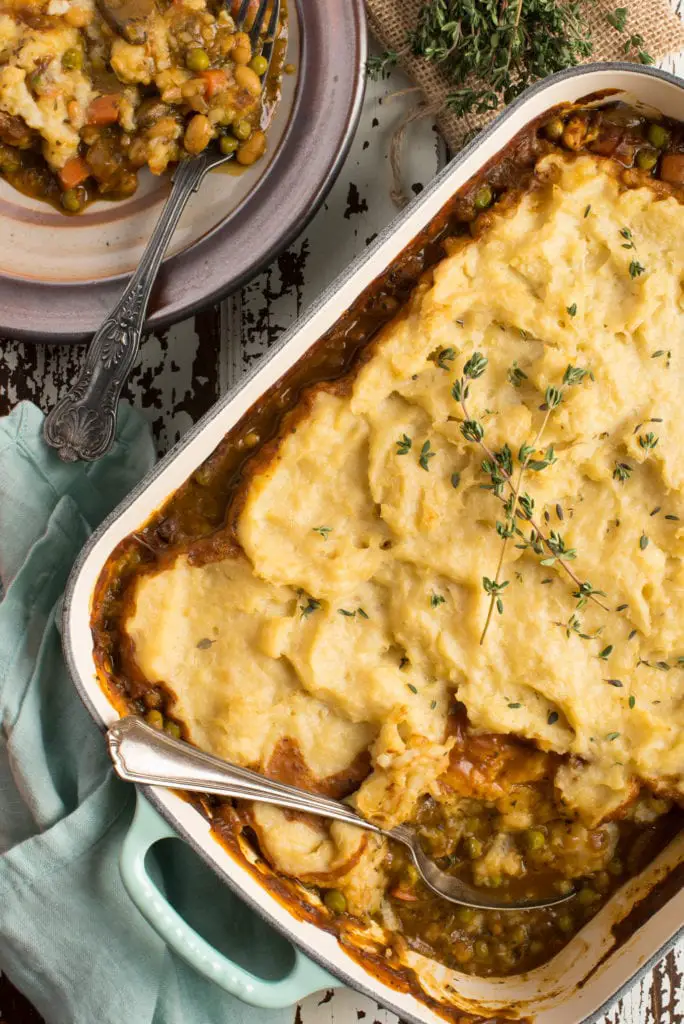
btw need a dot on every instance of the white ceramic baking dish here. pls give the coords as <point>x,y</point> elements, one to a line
<point>595,966</point>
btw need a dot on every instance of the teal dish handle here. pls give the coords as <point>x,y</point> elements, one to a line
<point>148,828</point>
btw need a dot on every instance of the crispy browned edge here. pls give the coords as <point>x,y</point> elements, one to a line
<point>227,822</point>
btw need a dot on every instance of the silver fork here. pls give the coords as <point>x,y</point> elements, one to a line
<point>83,423</point>
<point>142,754</point>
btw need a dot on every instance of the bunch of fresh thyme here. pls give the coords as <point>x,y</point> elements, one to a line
<point>491,50</point>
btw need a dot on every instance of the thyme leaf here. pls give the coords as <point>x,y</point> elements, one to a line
<point>618,19</point>
<point>622,471</point>
<point>311,605</point>
<point>425,455</point>
<point>404,444</point>
<point>444,357</point>
<point>516,376</point>
<point>648,441</point>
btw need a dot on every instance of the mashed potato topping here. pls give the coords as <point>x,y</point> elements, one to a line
<point>355,610</point>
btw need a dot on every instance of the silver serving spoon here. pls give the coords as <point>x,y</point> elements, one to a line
<point>143,754</point>
<point>83,423</point>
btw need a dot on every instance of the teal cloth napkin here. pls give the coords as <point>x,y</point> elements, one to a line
<point>70,938</point>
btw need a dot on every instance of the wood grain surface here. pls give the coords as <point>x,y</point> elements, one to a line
<point>183,370</point>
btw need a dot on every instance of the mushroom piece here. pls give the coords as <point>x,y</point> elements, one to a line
<point>127,18</point>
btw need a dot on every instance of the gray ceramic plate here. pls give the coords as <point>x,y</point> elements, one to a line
<point>60,275</point>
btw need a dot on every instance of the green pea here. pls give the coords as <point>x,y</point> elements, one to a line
<point>587,896</point>
<point>172,729</point>
<point>154,718</point>
<point>72,200</point>
<point>228,144</point>
<point>535,840</point>
<point>565,923</point>
<point>10,161</point>
<point>153,698</point>
<point>335,901</point>
<point>554,128</point>
<point>72,59</point>
<point>505,956</point>
<point>197,59</point>
<point>602,881</point>
<point>483,198</point>
<point>473,847</point>
<point>658,136</point>
<point>259,65</point>
<point>481,949</point>
<point>646,159</point>
<point>411,874</point>
<point>242,130</point>
<point>536,947</point>
<point>465,915</point>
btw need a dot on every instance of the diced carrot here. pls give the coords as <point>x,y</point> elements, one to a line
<point>73,173</point>
<point>104,109</point>
<point>404,894</point>
<point>672,168</point>
<point>214,81</point>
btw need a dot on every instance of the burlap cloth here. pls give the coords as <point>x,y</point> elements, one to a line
<point>391,20</point>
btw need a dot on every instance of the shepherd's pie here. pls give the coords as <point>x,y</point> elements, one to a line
<point>454,588</point>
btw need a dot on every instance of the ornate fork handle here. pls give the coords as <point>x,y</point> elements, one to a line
<point>83,423</point>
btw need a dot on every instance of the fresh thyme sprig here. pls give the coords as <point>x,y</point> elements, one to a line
<point>499,467</point>
<point>574,627</point>
<point>379,67</point>
<point>553,398</point>
<point>618,20</point>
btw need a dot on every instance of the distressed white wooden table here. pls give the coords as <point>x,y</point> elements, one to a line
<point>183,370</point>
